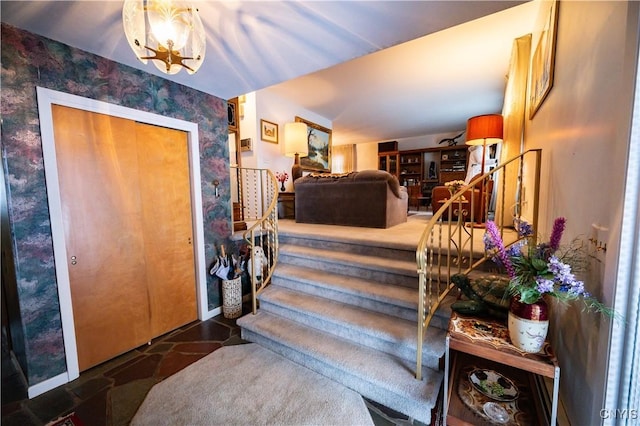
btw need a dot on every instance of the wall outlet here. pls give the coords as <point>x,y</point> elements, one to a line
<point>599,237</point>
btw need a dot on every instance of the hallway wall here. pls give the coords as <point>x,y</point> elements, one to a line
<point>583,129</point>
<point>29,60</point>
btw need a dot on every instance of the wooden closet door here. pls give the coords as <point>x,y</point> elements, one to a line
<point>98,172</point>
<point>167,226</point>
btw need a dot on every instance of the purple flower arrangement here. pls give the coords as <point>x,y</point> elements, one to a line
<point>536,271</point>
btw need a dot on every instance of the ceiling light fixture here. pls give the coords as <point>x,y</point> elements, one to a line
<point>168,32</point>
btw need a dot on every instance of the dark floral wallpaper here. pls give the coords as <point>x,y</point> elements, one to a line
<point>28,61</point>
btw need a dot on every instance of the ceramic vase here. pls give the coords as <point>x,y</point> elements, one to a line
<point>281,186</point>
<point>528,324</point>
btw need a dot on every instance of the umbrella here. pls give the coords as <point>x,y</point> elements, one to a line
<point>215,266</point>
<point>221,265</point>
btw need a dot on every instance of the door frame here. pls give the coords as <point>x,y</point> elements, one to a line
<point>47,97</point>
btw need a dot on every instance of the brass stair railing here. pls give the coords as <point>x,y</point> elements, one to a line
<point>257,196</point>
<point>451,243</point>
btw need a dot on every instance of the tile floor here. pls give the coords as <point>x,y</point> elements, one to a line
<point>110,393</point>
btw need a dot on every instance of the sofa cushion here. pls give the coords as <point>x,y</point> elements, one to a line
<point>362,176</point>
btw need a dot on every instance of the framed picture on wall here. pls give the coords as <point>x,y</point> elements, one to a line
<point>319,140</point>
<point>232,114</point>
<point>268,131</point>
<point>543,61</point>
<point>245,144</point>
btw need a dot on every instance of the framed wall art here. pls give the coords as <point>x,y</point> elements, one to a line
<point>245,144</point>
<point>232,114</point>
<point>268,131</point>
<point>319,140</point>
<point>543,61</point>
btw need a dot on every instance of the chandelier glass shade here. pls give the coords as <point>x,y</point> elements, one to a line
<point>170,33</point>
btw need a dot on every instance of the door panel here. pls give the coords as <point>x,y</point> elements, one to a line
<point>125,193</point>
<point>165,191</point>
<point>102,217</point>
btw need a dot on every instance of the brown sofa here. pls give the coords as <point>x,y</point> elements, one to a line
<point>370,198</point>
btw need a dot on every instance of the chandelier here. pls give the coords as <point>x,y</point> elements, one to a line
<point>170,33</point>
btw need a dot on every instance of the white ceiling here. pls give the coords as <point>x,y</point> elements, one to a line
<point>331,57</point>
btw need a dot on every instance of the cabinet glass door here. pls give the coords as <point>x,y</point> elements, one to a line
<point>393,164</point>
<point>382,163</point>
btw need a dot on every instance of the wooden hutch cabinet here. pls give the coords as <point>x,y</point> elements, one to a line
<point>435,165</point>
<point>427,168</point>
<point>389,162</point>
<point>388,157</point>
<point>453,163</point>
<point>411,172</point>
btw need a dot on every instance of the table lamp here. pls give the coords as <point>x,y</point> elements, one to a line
<point>484,130</point>
<point>296,145</point>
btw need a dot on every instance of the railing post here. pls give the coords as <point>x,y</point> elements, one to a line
<point>427,303</point>
<point>257,193</point>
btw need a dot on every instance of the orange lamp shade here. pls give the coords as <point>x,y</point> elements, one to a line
<point>484,129</point>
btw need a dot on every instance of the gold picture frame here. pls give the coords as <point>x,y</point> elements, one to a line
<point>319,140</point>
<point>268,131</point>
<point>543,61</point>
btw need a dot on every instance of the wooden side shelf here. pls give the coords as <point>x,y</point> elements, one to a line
<point>483,343</point>
<point>523,411</point>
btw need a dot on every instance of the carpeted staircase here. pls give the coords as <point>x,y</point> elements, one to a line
<point>348,310</point>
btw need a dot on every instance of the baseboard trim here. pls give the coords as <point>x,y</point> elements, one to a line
<point>212,313</point>
<point>47,385</point>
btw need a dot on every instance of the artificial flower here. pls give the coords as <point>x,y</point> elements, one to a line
<point>282,176</point>
<point>538,271</point>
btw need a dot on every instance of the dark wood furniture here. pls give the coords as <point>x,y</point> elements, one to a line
<point>453,163</point>
<point>437,164</point>
<point>426,168</point>
<point>484,344</point>
<point>286,205</point>
<point>415,195</point>
<point>388,162</point>
<point>411,168</point>
<point>388,157</point>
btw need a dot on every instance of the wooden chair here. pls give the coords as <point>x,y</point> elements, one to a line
<point>415,194</point>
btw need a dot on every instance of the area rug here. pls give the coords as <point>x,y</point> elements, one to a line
<point>248,384</point>
<point>68,420</point>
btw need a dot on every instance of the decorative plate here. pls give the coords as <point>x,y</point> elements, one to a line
<point>493,384</point>
<point>497,413</point>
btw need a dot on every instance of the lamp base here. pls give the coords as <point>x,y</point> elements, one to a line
<point>296,169</point>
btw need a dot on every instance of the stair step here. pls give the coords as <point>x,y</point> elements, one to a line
<point>392,300</point>
<point>391,335</point>
<point>397,301</point>
<point>405,252</point>
<point>389,271</point>
<point>375,375</point>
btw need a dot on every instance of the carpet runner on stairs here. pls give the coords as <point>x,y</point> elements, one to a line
<point>349,311</point>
